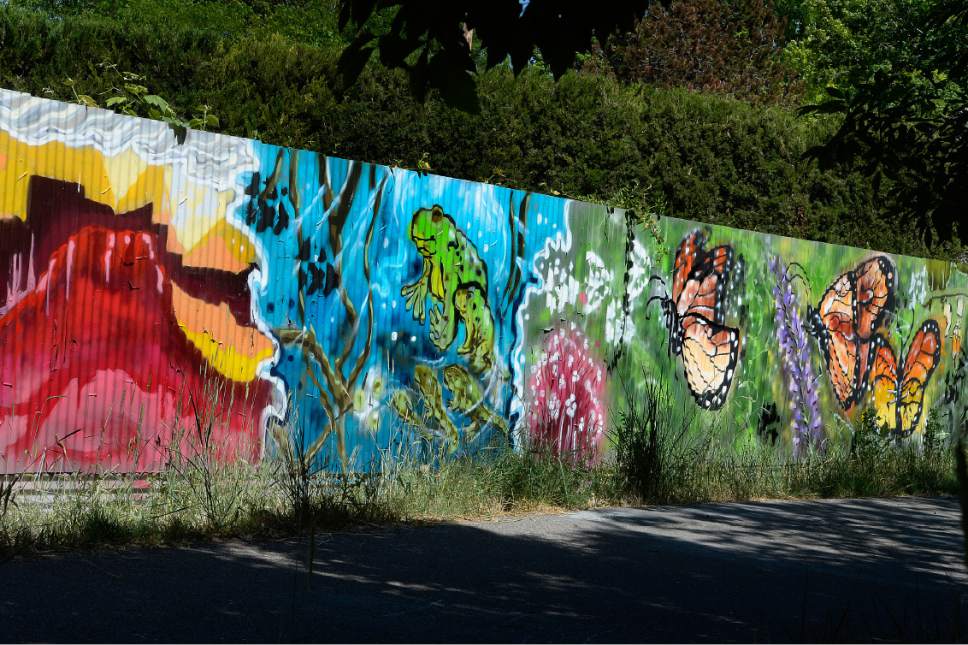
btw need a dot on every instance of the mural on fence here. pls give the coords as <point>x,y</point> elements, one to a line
<point>161,295</point>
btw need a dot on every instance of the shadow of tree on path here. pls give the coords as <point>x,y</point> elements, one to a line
<point>779,571</point>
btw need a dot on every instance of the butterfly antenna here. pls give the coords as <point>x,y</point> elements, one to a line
<point>891,318</point>
<point>657,278</point>
<point>660,298</point>
<point>797,265</point>
<point>660,280</point>
<point>800,273</point>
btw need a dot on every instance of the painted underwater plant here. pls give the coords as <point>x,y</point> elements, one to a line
<point>797,370</point>
<point>334,364</point>
<point>566,406</point>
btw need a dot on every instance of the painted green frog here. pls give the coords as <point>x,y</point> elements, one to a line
<point>467,398</point>
<point>478,346</point>
<point>402,404</point>
<point>425,380</point>
<point>450,260</point>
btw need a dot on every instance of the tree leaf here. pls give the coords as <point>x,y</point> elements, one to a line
<point>450,75</point>
<point>354,58</point>
<point>357,11</point>
<point>158,102</point>
<point>181,132</point>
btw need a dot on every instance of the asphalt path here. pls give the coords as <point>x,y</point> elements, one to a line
<point>813,571</point>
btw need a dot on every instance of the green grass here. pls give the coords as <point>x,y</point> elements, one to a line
<point>667,453</point>
<point>88,512</point>
<point>660,451</point>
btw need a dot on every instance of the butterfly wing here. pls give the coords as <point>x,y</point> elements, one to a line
<point>835,330</point>
<point>700,278</point>
<point>865,356</point>
<point>709,350</point>
<point>919,364</point>
<point>884,384</point>
<point>874,282</point>
<point>689,249</point>
<point>709,355</point>
<point>704,291</point>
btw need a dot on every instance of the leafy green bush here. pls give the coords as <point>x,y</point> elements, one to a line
<point>703,157</point>
<point>309,21</point>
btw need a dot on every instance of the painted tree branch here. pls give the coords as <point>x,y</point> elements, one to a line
<point>365,354</point>
<point>337,383</point>
<point>337,220</point>
<point>306,340</point>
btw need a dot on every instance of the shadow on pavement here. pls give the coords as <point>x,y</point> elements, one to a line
<point>779,571</point>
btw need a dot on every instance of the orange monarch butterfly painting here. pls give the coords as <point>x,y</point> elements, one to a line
<point>899,393</point>
<point>695,316</point>
<point>845,321</point>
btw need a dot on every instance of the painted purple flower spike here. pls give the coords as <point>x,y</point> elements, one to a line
<point>796,367</point>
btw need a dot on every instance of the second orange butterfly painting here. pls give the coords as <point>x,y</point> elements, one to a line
<point>850,325</point>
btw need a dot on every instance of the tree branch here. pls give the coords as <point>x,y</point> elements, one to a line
<point>365,354</point>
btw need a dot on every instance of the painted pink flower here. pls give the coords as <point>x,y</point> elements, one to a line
<point>566,394</point>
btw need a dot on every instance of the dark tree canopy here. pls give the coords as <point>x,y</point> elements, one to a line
<point>730,47</point>
<point>428,37</point>
<point>907,122</point>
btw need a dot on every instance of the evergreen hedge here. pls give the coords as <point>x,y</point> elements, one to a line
<point>686,154</point>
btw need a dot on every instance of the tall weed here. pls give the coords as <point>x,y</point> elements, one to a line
<point>664,454</point>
